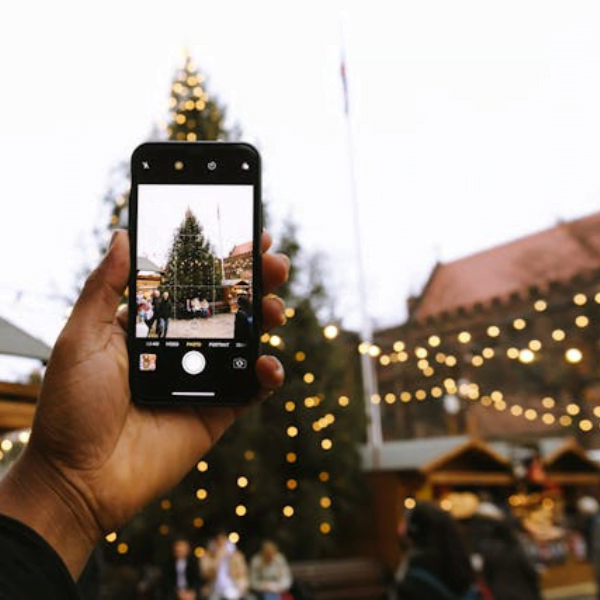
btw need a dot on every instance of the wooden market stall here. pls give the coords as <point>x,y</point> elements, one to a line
<point>17,400</point>
<point>424,468</point>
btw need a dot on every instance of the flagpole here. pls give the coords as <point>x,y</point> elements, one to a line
<point>221,243</point>
<point>369,380</point>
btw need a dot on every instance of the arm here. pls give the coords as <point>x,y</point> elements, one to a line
<point>85,471</point>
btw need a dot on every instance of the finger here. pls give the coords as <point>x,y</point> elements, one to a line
<point>270,375</point>
<point>273,312</point>
<point>104,288</point>
<point>265,241</point>
<point>275,271</point>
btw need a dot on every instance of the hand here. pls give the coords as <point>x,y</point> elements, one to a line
<point>94,458</point>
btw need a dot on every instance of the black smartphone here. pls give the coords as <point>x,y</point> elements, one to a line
<point>195,284</point>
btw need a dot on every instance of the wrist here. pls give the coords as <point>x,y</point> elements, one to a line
<point>35,493</point>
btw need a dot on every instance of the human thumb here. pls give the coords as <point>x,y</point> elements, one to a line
<point>103,290</point>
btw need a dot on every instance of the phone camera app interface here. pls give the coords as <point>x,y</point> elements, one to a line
<point>194,282</point>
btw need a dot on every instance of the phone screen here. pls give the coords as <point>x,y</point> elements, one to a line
<point>195,302</point>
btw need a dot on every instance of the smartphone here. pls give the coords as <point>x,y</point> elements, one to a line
<point>195,284</point>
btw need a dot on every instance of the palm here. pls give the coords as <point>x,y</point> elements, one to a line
<point>132,444</point>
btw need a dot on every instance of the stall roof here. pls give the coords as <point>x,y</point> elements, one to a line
<point>568,454</point>
<point>145,264</point>
<point>16,342</point>
<point>229,282</point>
<point>428,454</point>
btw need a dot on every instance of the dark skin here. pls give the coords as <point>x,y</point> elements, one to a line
<point>94,458</point>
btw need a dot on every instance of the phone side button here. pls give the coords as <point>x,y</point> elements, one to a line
<point>193,362</point>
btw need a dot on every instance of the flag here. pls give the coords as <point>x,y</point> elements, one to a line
<point>344,85</point>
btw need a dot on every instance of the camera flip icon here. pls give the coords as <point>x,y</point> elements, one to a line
<point>239,363</point>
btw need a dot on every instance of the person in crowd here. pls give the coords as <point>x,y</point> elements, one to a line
<point>154,302</point>
<point>164,313</point>
<point>181,576</point>
<point>506,570</point>
<point>243,318</point>
<point>225,570</point>
<point>270,575</point>
<point>436,566</point>
<point>594,551</point>
<point>85,470</point>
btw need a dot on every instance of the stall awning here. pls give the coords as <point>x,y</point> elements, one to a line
<point>16,342</point>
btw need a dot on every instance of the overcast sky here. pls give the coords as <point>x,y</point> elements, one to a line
<point>162,209</point>
<point>474,122</point>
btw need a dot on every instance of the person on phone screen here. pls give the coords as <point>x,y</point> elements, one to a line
<point>165,311</point>
<point>85,470</point>
<point>243,318</point>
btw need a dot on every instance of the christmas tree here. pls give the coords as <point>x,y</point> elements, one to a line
<point>193,115</point>
<point>193,270</point>
<point>289,469</point>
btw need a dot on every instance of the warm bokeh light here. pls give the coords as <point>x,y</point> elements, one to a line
<point>548,402</point>
<point>464,337</point>
<point>343,400</point>
<point>325,502</point>
<point>526,356</point>
<point>573,355</point>
<point>331,332</point>
<point>434,341</point>
<point>122,548</point>
<point>519,324</point>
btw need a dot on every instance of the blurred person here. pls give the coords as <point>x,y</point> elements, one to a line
<point>436,565</point>
<point>225,570</point>
<point>270,575</point>
<point>583,523</point>
<point>85,470</point>
<point>181,576</point>
<point>594,551</point>
<point>500,557</point>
